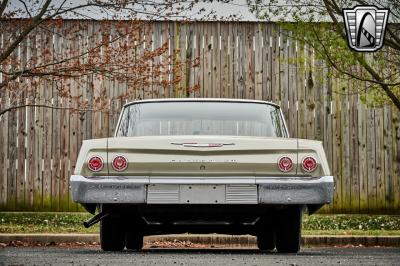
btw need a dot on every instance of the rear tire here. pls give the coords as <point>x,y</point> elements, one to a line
<point>112,234</point>
<point>266,240</point>
<point>288,232</point>
<point>134,240</point>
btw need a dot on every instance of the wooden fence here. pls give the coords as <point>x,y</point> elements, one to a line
<point>39,146</point>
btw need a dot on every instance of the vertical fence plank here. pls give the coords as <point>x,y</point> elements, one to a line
<point>208,60</point>
<point>292,88</point>
<point>216,60</point>
<point>283,73</point>
<point>258,63</point>
<point>224,81</point>
<point>12,159</point>
<point>371,157</point>
<point>379,166</point>
<point>328,136</point>
<point>345,146</point>
<point>4,150</point>
<point>249,61</point>
<point>336,147</point>
<point>55,148</point>
<point>353,142</point>
<point>21,129</point>
<point>12,142</point>
<point>396,157</point>
<point>388,153</point>
<point>266,61</point>
<point>200,55</point>
<point>362,151</point>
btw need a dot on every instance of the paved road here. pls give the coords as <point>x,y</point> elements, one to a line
<point>93,256</point>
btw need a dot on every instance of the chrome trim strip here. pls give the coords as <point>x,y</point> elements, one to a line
<point>202,180</point>
<point>294,180</point>
<point>111,179</point>
<point>201,100</point>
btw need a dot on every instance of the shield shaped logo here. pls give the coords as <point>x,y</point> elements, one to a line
<point>365,27</point>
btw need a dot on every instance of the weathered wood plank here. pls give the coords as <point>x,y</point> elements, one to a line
<point>38,117</point>
<point>216,60</point>
<point>388,153</point>
<point>22,130</point>
<point>266,63</point>
<point>354,157</point>
<point>362,155</point>
<point>396,158</point>
<point>249,61</point>
<point>301,92</point>
<point>223,81</point>
<point>47,129</point>
<point>371,158</point>
<point>336,147</point>
<point>379,165</point>
<point>4,150</point>
<point>284,72</point>
<point>292,89</point>
<point>275,50</point>
<point>12,159</point>
<point>12,129</point>
<point>241,61</point>
<point>31,134</point>
<point>55,148</point>
<point>327,132</point>
<point>258,63</point>
<point>208,60</point>
<point>310,93</point>
<point>345,147</point>
<point>199,51</point>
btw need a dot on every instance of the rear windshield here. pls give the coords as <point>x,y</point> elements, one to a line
<point>201,118</point>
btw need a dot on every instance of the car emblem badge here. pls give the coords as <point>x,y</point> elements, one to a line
<point>201,145</point>
<point>365,27</point>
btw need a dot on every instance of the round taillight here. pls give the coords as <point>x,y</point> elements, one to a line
<point>285,164</point>
<point>119,163</point>
<point>309,164</point>
<point>95,163</point>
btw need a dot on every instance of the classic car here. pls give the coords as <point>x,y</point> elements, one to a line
<point>201,166</point>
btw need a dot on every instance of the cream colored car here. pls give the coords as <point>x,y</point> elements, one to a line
<point>201,165</point>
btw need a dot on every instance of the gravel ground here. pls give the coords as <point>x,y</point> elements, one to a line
<point>94,256</point>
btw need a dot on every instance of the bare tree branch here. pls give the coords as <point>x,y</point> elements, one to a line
<point>6,110</point>
<point>3,6</point>
<point>26,8</point>
<point>35,21</point>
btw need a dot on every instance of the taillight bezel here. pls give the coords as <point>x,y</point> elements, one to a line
<point>282,169</point>
<point>119,169</point>
<point>95,169</point>
<point>309,170</point>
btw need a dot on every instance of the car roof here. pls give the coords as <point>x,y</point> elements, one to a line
<point>201,100</point>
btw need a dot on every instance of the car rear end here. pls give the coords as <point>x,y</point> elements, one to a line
<point>202,166</point>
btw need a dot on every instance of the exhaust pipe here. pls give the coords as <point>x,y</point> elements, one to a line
<point>95,219</point>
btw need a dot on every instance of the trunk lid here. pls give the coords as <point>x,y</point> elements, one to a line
<point>202,155</point>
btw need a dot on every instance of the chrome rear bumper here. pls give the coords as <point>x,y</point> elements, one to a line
<point>235,190</point>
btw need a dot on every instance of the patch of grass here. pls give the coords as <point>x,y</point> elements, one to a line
<point>45,222</point>
<point>352,222</point>
<point>50,222</point>
<point>352,232</point>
